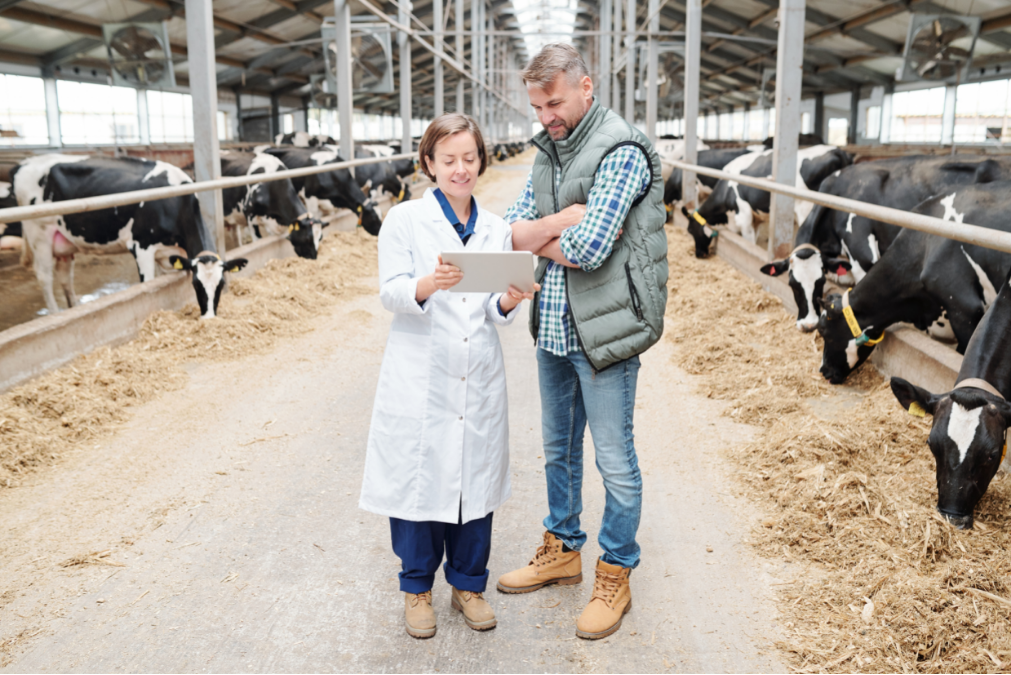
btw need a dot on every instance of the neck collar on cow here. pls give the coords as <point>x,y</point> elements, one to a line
<point>861,335</point>
<point>811,247</point>
<point>979,384</point>
<point>570,147</point>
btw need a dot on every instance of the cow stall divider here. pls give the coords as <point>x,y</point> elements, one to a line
<point>32,348</point>
<point>906,353</point>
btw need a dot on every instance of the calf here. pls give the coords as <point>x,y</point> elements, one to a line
<point>814,165</point>
<point>336,187</point>
<point>273,205</point>
<point>152,231</point>
<point>968,435</point>
<point>900,183</point>
<point>918,277</point>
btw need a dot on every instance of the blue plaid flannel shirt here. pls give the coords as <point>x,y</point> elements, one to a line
<point>622,177</point>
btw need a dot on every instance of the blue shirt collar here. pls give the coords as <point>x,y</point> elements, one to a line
<point>453,219</point>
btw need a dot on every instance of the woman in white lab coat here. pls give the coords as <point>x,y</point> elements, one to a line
<point>438,450</point>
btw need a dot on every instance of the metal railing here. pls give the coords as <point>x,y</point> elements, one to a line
<point>970,234</point>
<point>151,194</point>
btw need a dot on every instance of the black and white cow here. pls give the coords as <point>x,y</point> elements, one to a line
<point>900,183</point>
<point>10,233</point>
<point>380,178</point>
<point>968,435</point>
<point>301,139</point>
<point>167,232</point>
<point>918,277</point>
<point>272,207</point>
<point>711,159</point>
<point>814,165</point>
<point>337,188</point>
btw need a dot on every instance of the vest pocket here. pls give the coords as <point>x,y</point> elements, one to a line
<point>636,307</point>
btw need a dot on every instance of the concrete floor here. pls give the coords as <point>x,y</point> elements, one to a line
<point>232,506</point>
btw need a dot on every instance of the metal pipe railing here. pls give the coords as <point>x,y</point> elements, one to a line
<point>151,194</point>
<point>970,234</point>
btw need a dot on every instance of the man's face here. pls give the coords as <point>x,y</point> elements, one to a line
<point>561,106</point>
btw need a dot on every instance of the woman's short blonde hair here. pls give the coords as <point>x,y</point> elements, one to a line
<point>442,128</point>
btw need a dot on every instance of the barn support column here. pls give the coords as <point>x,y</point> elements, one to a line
<point>652,71</point>
<point>275,116</point>
<point>819,114</point>
<point>404,41</point>
<point>789,70</point>
<point>238,113</point>
<point>475,28</point>
<point>948,118</point>
<point>886,115</point>
<point>630,63</point>
<point>143,121</point>
<point>489,68</point>
<point>746,125</point>
<point>851,134</point>
<point>693,53</point>
<point>604,86</point>
<point>437,66</point>
<point>204,92</point>
<point>615,101</point>
<point>765,122</point>
<point>53,113</point>
<point>458,21</point>
<point>345,96</point>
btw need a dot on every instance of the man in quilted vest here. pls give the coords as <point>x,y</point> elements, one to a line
<point>593,211</point>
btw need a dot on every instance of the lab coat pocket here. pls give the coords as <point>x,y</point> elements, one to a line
<point>404,378</point>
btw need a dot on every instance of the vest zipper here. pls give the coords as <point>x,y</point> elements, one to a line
<point>631,292</point>
<point>575,327</point>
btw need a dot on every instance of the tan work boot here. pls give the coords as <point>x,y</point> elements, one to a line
<point>551,565</point>
<point>611,599</point>
<point>476,611</point>
<point>419,617</point>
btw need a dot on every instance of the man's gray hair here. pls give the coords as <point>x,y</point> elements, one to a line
<point>552,60</point>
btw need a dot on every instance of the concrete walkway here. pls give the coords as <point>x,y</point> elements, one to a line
<point>232,506</point>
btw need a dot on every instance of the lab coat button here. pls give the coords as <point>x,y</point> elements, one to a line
<point>465,339</point>
<point>463,379</point>
<point>461,418</point>
<point>465,299</point>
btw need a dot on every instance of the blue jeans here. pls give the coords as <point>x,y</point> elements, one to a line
<point>571,396</point>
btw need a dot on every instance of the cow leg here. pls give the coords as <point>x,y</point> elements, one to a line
<point>43,266</point>
<point>64,276</point>
<point>147,267</point>
<point>745,221</point>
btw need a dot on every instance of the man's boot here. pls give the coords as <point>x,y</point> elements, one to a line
<point>551,565</point>
<point>419,617</point>
<point>475,609</point>
<point>611,599</point>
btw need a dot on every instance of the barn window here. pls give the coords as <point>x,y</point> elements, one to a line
<point>981,112</point>
<point>916,116</point>
<point>805,123</point>
<point>170,117</point>
<point>838,131</point>
<point>22,111</point>
<point>97,114</point>
<point>872,122</point>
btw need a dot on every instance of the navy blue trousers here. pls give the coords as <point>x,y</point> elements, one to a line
<point>420,547</point>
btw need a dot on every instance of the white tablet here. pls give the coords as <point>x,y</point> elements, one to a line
<point>492,272</point>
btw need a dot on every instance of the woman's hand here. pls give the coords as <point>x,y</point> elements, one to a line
<point>515,296</point>
<point>443,278</point>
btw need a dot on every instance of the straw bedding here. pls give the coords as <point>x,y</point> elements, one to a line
<point>42,419</point>
<point>847,484</point>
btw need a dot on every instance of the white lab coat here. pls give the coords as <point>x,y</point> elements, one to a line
<point>438,444</point>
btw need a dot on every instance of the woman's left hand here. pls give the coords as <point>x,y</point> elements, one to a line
<point>515,296</point>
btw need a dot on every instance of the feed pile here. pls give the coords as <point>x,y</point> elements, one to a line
<point>84,400</point>
<point>846,480</point>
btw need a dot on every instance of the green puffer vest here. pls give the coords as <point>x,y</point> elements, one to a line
<point>618,308</point>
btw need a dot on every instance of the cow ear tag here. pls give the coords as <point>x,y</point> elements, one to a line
<point>177,264</point>
<point>916,410</point>
<point>291,228</point>
<point>842,271</point>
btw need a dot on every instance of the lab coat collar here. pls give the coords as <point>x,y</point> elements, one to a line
<point>445,228</point>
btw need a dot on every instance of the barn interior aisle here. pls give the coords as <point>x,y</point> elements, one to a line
<point>217,530</point>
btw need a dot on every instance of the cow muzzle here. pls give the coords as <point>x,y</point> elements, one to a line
<point>959,522</point>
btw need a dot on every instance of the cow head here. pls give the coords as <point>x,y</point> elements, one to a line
<point>843,350</point>
<point>807,267</point>
<point>305,235</point>
<point>701,232</point>
<point>208,271</point>
<point>967,438</point>
<point>369,219</point>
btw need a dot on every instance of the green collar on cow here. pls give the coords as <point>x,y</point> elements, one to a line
<point>861,335</point>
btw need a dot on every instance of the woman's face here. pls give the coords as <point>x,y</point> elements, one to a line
<point>456,165</point>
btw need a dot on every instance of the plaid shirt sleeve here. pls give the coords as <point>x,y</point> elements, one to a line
<point>622,176</point>
<point>525,207</point>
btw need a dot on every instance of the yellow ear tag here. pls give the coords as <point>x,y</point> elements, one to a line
<point>291,228</point>
<point>699,219</point>
<point>296,228</point>
<point>916,410</point>
<point>359,209</point>
<point>1003,453</point>
<point>400,197</point>
<point>178,264</point>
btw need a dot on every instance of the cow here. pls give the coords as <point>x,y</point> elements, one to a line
<point>380,178</point>
<point>814,165</point>
<point>165,232</point>
<point>301,139</point>
<point>337,187</point>
<point>803,141</point>
<point>918,277</point>
<point>10,233</point>
<point>968,435</point>
<point>272,206</point>
<point>673,149</point>
<point>900,183</point>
